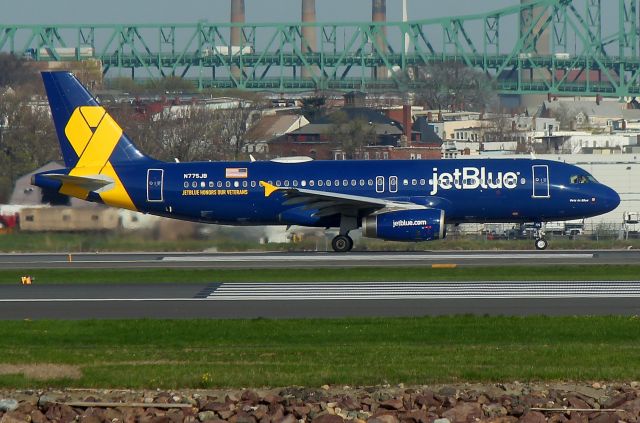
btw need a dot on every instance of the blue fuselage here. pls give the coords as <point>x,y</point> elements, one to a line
<point>495,190</point>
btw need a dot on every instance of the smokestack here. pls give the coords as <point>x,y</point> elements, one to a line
<point>379,14</point>
<point>309,33</point>
<point>237,16</point>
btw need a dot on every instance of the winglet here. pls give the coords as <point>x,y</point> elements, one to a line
<point>268,188</point>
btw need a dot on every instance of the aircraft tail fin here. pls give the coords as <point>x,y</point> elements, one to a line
<point>88,135</point>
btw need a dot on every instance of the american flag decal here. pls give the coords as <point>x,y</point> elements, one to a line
<point>236,172</point>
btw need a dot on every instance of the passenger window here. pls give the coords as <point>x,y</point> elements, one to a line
<point>336,183</point>
<point>303,183</point>
<point>345,182</point>
<point>219,184</point>
<point>295,183</point>
<point>422,182</point>
<point>370,182</point>
<point>244,184</point>
<point>286,183</point>
<point>228,184</point>
<point>211,184</point>
<point>328,183</point>
<point>320,183</point>
<point>361,182</point>
<point>278,183</point>
<point>253,184</point>
<point>311,183</point>
<point>236,184</point>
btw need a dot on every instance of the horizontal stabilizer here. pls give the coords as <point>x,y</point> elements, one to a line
<point>83,182</point>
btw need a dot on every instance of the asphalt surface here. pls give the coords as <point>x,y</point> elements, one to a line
<point>288,260</point>
<point>319,300</point>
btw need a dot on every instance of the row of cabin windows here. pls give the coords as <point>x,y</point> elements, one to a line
<point>338,183</point>
<point>296,183</point>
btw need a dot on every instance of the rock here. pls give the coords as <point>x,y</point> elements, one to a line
<point>216,406</point>
<point>533,417</point>
<point>501,419</point>
<point>494,410</point>
<point>464,412</point>
<point>325,387</point>
<point>289,418</point>
<point>90,419</point>
<point>8,404</point>
<point>604,418</point>
<point>392,404</point>
<point>448,391</point>
<point>250,396</point>
<point>37,417</point>
<point>442,421</point>
<point>631,406</point>
<point>206,415</point>
<point>618,400</point>
<point>415,416</point>
<point>557,418</point>
<point>272,399</point>
<point>328,418</point>
<point>13,417</point>
<point>427,399</point>
<point>383,418</point>
<point>301,411</point>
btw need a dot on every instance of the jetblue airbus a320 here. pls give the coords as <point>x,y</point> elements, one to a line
<point>391,200</point>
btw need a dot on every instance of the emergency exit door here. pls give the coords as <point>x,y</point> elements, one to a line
<point>155,185</point>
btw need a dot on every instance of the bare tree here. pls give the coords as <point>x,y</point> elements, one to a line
<point>27,138</point>
<point>454,86</point>
<point>351,135</point>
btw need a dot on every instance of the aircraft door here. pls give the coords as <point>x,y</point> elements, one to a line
<point>379,184</point>
<point>393,184</point>
<point>155,184</point>
<point>541,181</point>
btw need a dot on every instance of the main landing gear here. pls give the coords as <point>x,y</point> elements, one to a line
<point>343,243</point>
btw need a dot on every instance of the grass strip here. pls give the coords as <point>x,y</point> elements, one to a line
<point>378,274</point>
<point>364,351</point>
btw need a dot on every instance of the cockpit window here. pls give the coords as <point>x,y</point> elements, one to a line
<point>583,179</point>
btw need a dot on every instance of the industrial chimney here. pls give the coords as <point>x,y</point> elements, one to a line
<point>309,42</point>
<point>237,16</point>
<point>379,14</point>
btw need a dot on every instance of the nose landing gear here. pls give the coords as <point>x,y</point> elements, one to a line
<point>541,242</point>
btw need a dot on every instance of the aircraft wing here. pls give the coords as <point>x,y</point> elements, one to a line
<point>329,203</point>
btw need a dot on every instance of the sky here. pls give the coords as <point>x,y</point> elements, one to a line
<point>187,11</point>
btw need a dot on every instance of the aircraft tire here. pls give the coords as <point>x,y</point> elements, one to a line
<point>342,244</point>
<point>541,244</point>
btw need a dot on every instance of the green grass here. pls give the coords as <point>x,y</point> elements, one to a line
<point>256,353</point>
<point>143,276</point>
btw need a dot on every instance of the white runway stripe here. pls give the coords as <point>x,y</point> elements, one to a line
<point>426,290</point>
<point>377,257</point>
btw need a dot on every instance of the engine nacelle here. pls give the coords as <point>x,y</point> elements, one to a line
<point>405,225</point>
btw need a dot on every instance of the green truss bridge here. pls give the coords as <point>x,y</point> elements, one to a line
<point>546,46</point>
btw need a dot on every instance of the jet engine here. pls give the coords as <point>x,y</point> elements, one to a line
<point>405,225</point>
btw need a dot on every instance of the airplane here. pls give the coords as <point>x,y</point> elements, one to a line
<point>399,200</point>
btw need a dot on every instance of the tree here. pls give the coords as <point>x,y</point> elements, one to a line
<point>313,107</point>
<point>351,135</point>
<point>15,72</point>
<point>27,139</point>
<point>454,86</point>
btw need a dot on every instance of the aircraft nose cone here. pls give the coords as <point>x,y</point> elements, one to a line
<point>610,199</point>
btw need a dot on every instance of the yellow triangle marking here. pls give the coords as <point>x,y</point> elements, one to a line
<point>268,188</point>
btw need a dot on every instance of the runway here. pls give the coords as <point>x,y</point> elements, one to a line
<point>319,300</point>
<point>312,259</point>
